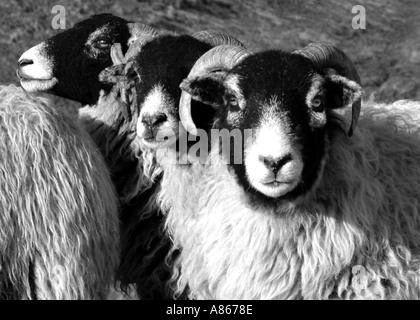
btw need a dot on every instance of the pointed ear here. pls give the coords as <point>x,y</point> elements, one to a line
<point>342,92</point>
<point>208,89</point>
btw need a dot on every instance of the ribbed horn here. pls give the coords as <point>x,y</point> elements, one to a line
<point>136,46</point>
<point>139,29</point>
<point>141,34</point>
<point>329,56</point>
<point>117,56</point>
<point>216,38</point>
<point>218,58</point>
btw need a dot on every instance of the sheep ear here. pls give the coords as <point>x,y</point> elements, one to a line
<point>112,75</point>
<point>208,89</point>
<point>343,92</point>
<point>117,56</point>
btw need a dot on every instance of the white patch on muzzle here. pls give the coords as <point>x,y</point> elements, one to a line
<point>36,74</point>
<point>271,143</point>
<point>157,102</point>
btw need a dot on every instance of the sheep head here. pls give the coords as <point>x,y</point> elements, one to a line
<point>68,64</point>
<point>286,100</point>
<point>156,67</point>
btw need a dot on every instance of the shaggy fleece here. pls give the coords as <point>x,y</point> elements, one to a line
<point>135,174</point>
<point>58,209</point>
<point>355,236</point>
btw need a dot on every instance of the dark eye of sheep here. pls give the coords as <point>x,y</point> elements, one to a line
<point>103,44</point>
<point>317,104</point>
<point>232,101</point>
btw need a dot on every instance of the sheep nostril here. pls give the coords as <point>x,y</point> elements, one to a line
<point>25,62</point>
<point>275,164</point>
<point>272,165</point>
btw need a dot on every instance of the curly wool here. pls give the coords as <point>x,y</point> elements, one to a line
<point>58,209</point>
<point>363,215</point>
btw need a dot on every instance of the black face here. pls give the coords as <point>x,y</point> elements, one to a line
<point>273,87</point>
<point>155,74</point>
<point>82,52</point>
<point>167,60</point>
<point>286,101</point>
<point>161,66</point>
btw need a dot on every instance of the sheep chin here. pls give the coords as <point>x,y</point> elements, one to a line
<point>34,85</point>
<point>275,189</point>
<point>153,144</point>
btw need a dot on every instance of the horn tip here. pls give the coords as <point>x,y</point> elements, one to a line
<point>192,130</point>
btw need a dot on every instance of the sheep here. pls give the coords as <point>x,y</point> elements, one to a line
<point>109,122</point>
<point>154,76</point>
<point>158,91</point>
<point>102,116</point>
<point>151,78</point>
<point>68,64</point>
<point>175,54</point>
<point>58,208</point>
<point>310,212</point>
<point>161,61</point>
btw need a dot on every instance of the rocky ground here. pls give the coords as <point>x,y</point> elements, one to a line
<point>387,52</point>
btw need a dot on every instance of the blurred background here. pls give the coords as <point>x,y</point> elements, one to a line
<point>387,52</point>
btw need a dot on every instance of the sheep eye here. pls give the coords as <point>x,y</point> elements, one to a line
<point>103,44</point>
<point>317,105</point>
<point>233,101</point>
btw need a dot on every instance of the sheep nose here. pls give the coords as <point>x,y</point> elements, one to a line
<point>275,164</point>
<point>25,62</point>
<point>154,121</point>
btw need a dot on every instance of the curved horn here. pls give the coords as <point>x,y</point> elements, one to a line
<point>141,34</point>
<point>117,56</point>
<point>139,29</point>
<point>329,56</point>
<point>136,46</point>
<point>218,58</point>
<point>216,38</point>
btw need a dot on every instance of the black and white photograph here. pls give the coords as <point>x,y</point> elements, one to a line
<point>224,151</point>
